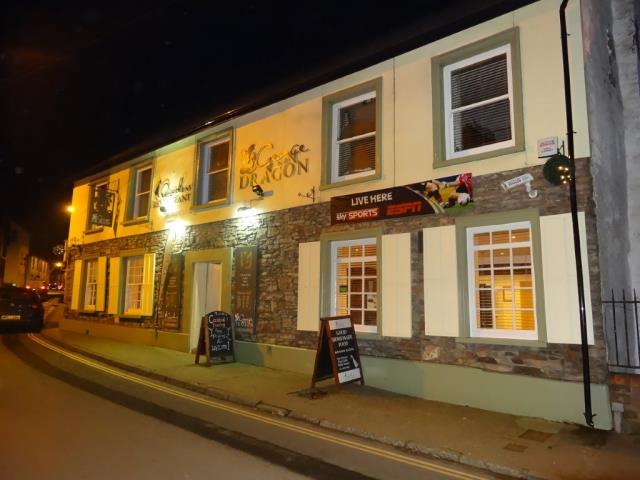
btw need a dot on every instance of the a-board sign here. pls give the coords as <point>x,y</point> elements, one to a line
<point>337,355</point>
<point>216,338</point>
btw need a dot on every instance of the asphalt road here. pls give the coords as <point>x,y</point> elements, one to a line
<point>61,418</point>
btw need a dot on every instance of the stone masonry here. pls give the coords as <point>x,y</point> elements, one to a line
<point>277,235</point>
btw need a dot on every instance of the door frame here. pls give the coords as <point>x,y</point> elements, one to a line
<point>223,256</point>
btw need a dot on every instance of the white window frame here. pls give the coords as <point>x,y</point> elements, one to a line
<point>204,161</point>
<point>335,143</point>
<point>335,244</point>
<point>450,153</point>
<point>494,332</point>
<point>127,308</point>
<point>137,193</point>
<point>90,284</point>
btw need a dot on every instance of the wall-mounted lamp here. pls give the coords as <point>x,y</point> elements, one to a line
<point>311,194</point>
<point>257,189</point>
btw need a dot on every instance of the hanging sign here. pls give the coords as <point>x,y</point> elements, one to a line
<point>337,355</point>
<point>216,338</point>
<point>428,197</point>
<point>245,281</point>
<point>102,203</point>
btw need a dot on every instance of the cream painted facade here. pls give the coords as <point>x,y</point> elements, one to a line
<point>422,257</point>
<point>407,141</point>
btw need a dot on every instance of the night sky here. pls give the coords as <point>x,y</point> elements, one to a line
<point>84,84</point>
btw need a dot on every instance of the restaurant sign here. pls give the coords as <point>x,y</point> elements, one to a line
<point>102,204</point>
<point>431,196</point>
<point>260,165</point>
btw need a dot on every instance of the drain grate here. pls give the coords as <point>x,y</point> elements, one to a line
<point>536,435</point>
<point>515,447</point>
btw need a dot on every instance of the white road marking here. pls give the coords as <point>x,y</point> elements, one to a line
<point>398,457</point>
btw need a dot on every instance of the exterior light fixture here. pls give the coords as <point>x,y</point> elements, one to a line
<point>558,170</point>
<point>168,206</point>
<point>70,209</point>
<point>257,189</point>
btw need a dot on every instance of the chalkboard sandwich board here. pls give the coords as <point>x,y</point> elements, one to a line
<point>216,338</point>
<point>337,355</point>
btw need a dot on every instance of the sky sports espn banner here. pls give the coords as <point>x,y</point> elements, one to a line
<point>431,196</point>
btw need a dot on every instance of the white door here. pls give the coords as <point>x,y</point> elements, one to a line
<point>206,295</point>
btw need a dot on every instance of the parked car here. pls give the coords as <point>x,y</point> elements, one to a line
<point>20,309</point>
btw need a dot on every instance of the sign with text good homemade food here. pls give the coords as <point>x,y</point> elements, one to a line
<point>244,294</point>
<point>337,355</point>
<point>216,338</point>
<point>430,196</point>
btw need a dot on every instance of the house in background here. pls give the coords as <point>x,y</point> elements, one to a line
<point>37,274</point>
<point>14,250</point>
<point>471,299</point>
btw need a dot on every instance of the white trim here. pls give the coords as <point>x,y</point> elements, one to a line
<point>138,194</point>
<point>450,152</point>
<point>475,331</point>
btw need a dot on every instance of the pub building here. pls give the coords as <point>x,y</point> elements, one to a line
<point>376,195</point>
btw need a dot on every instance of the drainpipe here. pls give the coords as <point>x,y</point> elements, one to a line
<point>586,377</point>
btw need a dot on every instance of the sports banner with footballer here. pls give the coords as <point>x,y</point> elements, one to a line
<point>431,196</point>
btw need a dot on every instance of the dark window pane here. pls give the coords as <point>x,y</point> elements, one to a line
<point>478,82</point>
<point>145,180</point>
<point>370,318</point>
<point>357,119</point>
<point>219,156</point>
<point>357,156</point>
<point>218,186</point>
<point>483,125</point>
<point>143,205</point>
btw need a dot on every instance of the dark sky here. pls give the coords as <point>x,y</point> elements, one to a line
<point>82,83</point>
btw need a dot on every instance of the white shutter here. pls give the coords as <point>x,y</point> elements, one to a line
<point>147,284</point>
<point>309,286</point>
<point>441,316</point>
<point>396,285</point>
<point>77,284</point>
<point>101,281</point>
<point>114,285</point>
<point>560,278</point>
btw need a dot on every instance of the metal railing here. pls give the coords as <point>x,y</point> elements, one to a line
<point>622,332</point>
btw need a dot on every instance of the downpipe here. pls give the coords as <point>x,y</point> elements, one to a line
<point>586,376</point>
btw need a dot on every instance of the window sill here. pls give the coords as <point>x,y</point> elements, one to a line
<point>343,183</point>
<point>502,341</point>
<point>210,206</point>
<point>135,221</point>
<point>368,336</point>
<point>94,230</point>
<point>478,156</point>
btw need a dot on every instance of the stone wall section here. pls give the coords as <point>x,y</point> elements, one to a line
<point>625,391</point>
<point>278,234</point>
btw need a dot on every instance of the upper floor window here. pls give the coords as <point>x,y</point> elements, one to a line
<point>478,100</point>
<point>501,279</point>
<point>214,167</point>
<point>141,192</point>
<point>352,136</point>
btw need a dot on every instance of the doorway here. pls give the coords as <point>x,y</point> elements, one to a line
<point>206,295</point>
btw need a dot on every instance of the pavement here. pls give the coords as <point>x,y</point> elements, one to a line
<point>519,447</point>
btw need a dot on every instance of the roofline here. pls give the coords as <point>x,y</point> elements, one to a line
<point>412,38</point>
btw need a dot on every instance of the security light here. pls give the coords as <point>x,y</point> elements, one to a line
<point>257,189</point>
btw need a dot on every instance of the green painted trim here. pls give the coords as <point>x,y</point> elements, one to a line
<point>223,256</point>
<point>462,223</point>
<point>521,395</point>
<point>147,161</point>
<point>202,139</point>
<point>511,37</point>
<point>327,106</point>
<point>325,270</point>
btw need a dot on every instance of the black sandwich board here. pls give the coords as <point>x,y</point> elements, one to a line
<point>337,355</point>
<point>216,338</point>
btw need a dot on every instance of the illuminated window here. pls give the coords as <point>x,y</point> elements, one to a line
<point>133,284</point>
<point>502,292</point>
<point>142,192</point>
<point>351,131</point>
<point>91,284</point>
<point>354,289</point>
<point>214,162</point>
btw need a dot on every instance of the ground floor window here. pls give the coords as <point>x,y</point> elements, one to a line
<point>91,284</point>
<point>501,281</point>
<point>354,286</point>
<point>133,284</point>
